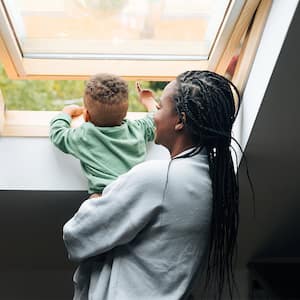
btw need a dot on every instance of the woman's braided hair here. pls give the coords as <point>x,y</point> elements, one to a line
<point>205,103</point>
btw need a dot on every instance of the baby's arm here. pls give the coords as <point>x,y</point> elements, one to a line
<point>61,134</point>
<point>146,97</point>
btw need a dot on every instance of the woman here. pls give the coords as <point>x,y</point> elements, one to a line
<point>162,221</point>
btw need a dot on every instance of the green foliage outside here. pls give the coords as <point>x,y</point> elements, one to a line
<point>55,94</point>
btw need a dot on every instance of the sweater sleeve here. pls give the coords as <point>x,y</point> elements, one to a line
<point>64,137</point>
<point>125,208</point>
<point>147,125</point>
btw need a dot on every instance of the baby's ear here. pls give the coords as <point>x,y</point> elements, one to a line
<point>86,115</point>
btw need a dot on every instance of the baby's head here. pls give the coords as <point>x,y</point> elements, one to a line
<point>106,100</point>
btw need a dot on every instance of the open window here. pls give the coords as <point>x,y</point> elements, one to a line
<point>135,39</point>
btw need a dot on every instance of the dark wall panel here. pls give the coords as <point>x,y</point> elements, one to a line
<point>33,259</point>
<point>273,154</point>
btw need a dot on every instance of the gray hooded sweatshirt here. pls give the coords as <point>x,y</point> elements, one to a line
<point>145,238</point>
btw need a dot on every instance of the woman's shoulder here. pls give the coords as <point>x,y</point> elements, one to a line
<point>153,166</point>
<point>150,171</point>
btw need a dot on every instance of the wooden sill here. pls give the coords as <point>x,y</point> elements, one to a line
<point>36,123</point>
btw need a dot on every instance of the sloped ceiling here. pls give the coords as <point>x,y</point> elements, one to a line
<point>273,154</point>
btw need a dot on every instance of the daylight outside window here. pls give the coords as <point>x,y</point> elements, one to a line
<point>52,95</point>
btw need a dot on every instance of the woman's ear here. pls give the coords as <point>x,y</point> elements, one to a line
<point>181,122</point>
<point>86,115</point>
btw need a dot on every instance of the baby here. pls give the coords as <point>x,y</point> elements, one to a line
<point>106,144</point>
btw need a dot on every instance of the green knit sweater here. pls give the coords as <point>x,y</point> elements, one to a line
<point>104,152</point>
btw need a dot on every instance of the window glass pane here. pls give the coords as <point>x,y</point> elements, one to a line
<point>117,28</point>
<point>55,94</point>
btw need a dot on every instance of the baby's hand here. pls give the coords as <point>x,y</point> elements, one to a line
<point>73,110</point>
<point>146,97</point>
<point>143,93</point>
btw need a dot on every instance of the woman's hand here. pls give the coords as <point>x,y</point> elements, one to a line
<point>146,97</point>
<point>73,110</point>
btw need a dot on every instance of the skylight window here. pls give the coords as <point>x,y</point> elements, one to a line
<point>56,35</point>
<point>117,29</point>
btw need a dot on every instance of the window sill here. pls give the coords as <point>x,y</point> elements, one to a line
<point>36,123</point>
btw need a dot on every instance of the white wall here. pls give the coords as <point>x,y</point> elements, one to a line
<point>35,164</point>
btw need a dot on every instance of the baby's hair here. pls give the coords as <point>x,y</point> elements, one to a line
<point>206,101</point>
<point>106,99</point>
<point>107,89</point>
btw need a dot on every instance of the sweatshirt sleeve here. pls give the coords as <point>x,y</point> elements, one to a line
<point>147,125</point>
<point>64,137</point>
<point>125,208</point>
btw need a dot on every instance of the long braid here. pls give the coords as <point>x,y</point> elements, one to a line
<point>207,101</point>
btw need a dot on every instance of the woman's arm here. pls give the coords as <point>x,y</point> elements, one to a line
<point>124,209</point>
